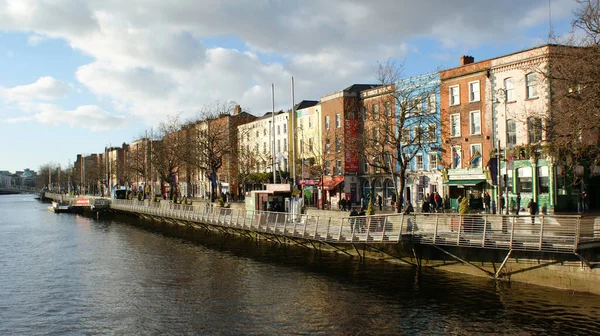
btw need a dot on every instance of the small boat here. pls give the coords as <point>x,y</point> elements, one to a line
<point>59,207</point>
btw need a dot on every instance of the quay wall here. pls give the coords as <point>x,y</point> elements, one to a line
<point>558,270</point>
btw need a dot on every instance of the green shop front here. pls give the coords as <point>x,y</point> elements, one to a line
<point>470,183</point>
<point>533,179</point>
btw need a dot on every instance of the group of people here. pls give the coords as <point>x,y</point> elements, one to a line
<point>357,223</point>
<point>432,203</point>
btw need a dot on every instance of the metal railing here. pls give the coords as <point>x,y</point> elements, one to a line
<point>561,234</point>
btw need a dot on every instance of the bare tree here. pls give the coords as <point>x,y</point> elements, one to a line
<point>167,147</point>
<point>407,124</point>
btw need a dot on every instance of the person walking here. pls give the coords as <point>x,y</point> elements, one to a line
<point>343,204</point>
<point>380,202</point>
<point>533,209</point>
<point>518,203</point>
<point>501,204</point>
<point>354,221</point>
<point>432,205</point>
<point>486,202</point>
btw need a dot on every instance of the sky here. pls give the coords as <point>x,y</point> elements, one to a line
<point>76,76</point>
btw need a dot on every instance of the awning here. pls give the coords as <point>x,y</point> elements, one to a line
<point>331,183</point>
<point>464,183</point>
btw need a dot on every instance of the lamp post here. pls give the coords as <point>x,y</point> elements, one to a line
<point>502,94</point>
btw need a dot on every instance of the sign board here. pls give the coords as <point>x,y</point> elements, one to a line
<point>82,201</point>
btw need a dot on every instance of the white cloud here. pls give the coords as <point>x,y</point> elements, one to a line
<point>34,40</point>
<point>45,88</point>
<point>153,58</point>
<point>87,117</point>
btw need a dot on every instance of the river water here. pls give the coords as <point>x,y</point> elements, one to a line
<point>64,274</point>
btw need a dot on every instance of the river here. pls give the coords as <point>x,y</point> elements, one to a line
<point>65,274</point>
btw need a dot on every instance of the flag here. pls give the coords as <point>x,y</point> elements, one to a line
<point>475,158</point>
<point>456,160</point>
<point>493,166</point>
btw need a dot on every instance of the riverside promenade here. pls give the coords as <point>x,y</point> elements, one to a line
<point>481,242</point>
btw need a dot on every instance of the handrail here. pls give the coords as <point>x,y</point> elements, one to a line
<point>527,233</point>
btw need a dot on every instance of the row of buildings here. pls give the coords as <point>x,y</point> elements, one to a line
<point>21,178</point>
<point>479,127</point>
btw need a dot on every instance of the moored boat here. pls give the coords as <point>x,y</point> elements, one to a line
<point>57,207</point>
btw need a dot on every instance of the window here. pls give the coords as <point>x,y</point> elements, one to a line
<point>511,131</point>
<point>265,132</point>
<point>419,134</point>
<point>475,160</point>
<point>338,120</point>
<point>338,167</point>
<point>365,166</point>
<point>278,146</point>
<point>544,181</point>
<point>509,86</point>
<point>264,148</point>
<point>327,146</point>
<point>433,161</point>
<point>278,129</point>
<point>388,109</point>
<point>454,95</point>
<point>326,122</point>
<point>363,112</point>
<point>338,144</point>
<point>419,161</point>
<point>456,157</point>
<point>474,91</point>
<point>285,164</point>
<point>376,135</point>
<point>327,168</point>
<point>534,129</point>
<point>257,133</point>
<point>418,106</point>
<point>455,125</point>
<point>525,179</point>
<point>375,111</point>
<point>284,128</point>
<point>475,122</point>
<point>285,146</point>
<point>310,144</point>
<point>532,89</point>
<point>431,133</point>
<point>310,122</point>
<point>431,104</point>
<point>405,135</point>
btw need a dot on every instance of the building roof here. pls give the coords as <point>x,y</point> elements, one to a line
<point>306,103</point>
<point>360,87</point>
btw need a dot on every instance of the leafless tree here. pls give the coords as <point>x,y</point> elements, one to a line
<point>403,122</point>
<point>168,144</point>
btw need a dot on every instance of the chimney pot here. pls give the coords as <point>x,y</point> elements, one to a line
<point>237,110</point>
<point>466,59</point>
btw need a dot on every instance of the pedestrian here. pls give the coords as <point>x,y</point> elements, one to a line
<point>501,204</point>
<point>409,209</point>
<point>518,203</point>
<point>353,221</point>
<point>533,209</point>
<point>425,206</point>
<point>361,221</point>
<point>431,200</point>
<point>486,202</point>
<point>380,202</point>
<point>438,202</point>
<point>343,204</point>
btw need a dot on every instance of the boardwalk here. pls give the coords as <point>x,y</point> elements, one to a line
<point>558,234</point>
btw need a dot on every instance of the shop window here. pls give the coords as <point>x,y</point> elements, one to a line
<point>525,179</point>
<point>544,180</point>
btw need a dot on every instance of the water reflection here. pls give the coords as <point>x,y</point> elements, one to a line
<point>78,275</point>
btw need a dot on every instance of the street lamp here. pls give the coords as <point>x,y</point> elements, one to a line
<point>502,97</point>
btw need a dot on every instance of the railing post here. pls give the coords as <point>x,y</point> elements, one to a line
<point>542,233</point>
<point>328,227</point>
<point>435,230</point>
<point>340,233</point>
<point>460,220</point>
<point>305,224</point>
<point>577,233</point>
<point>316,227</point>
<point>383,227</point>
<point>512,231</point>
<point>485,220</point>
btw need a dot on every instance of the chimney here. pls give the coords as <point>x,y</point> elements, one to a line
<point>466,59</point>
<point>237,110</point>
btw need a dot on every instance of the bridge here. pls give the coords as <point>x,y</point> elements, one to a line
<point>544,234</point>
<point>14,189</point>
